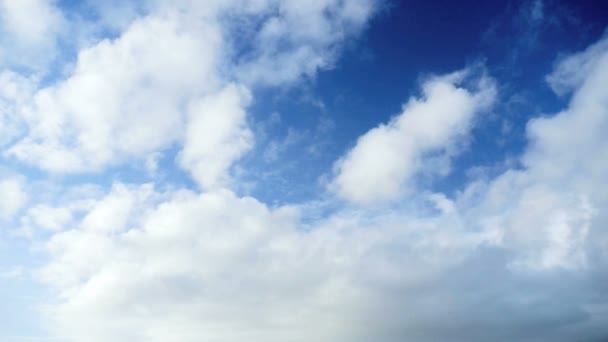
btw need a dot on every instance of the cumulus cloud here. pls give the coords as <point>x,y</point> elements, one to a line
<point>17,17</point>
<point>428,129</point>
<point>217,134</point>
<point>550,212</point>
<point>188,269</point>
<point>123,99</point>
<point>30,29</point>
<point>312,31</point>
<point>134,96</point>
<point>487,264</point>
<point>519,256</point>
<point>572,70</point>
<point>567,153</point>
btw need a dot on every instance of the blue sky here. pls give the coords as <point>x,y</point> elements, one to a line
<point>280,170</point>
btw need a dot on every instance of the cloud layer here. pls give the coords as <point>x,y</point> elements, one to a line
<point>487,264</point>
<point>515,255</point>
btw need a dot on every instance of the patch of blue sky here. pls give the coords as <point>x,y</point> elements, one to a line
<point>21,295</point>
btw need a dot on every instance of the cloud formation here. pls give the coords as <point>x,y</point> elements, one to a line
<point>186,266</point>
<point>30,30</point>
<point>161,66</point>
<point>515,255</point>
<point>423,138</point>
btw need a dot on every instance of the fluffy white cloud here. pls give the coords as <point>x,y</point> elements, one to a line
<point>312,32</point>
<point>217,134</point>
<point>560,194</point>
<point>142,264</point>
<point>217,267</point>
<point>186,266</point>
<point>546,228</point>
<point>155,84</point>
<point>572,70</point>
<point>123,99</point>
<point>29,30</point>
<point>30,20</point>
<point>428,130</point>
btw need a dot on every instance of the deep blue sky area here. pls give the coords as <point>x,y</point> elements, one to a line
<point>407,40</point>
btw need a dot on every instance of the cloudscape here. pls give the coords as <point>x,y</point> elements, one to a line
<point>303,170</point>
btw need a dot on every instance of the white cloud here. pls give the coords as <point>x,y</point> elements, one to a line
<point>47,217</point>
<point>15,91</point>
<point>216,135</point>
<point>572,70</point>
<point>30,20</point>
<point>192,269</point>
<point>550,212</point>
<point>312,31</point>
<point>428,129</point>
<point>140,264</point>
<point>29,30</point>
<point>123,99</point>
<point>132,97</point>
<point>186,266</point>
<point>14,196</point>
<point>547,228</point>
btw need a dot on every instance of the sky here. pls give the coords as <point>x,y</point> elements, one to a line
<point>287,170</point>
